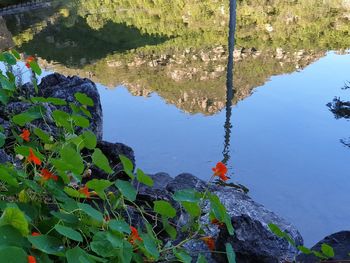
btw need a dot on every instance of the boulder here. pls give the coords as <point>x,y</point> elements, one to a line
<point>59,86</point>
<point>340,242</point>
<point>253,241</point>
<point>112,152</point>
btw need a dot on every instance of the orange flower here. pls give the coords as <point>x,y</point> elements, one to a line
<point>25,135</point>
<point>85,191</point>
<point>107,218</point>
<point>210,242</point>
<point>220,170</point>
<point>47,175</point>
<point>31,259</point>
<point>28,60</point>
<point>217,222</point>
<point>35,234</point>
<point>134,235</point>
<point>32,158</point>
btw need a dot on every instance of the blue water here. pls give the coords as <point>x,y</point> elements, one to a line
<point>285,143</point>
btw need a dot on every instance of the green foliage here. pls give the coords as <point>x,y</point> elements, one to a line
<point>325,253</point>
<point>54,211</point>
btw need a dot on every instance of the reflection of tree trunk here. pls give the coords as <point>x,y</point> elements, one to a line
<point>229,81</point>
<point>5,36</point>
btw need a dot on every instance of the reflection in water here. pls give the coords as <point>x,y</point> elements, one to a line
<point>229,81</point>
<point>341,109</point>
<point>180,71</point>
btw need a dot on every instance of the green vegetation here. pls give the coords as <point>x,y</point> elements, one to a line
<point>53,211</point>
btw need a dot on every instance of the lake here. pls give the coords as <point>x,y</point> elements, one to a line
<point>161,71</point>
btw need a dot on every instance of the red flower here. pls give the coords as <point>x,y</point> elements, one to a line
<point>217,222</point>
<point>47,175</point>
<point>220,170</point>
<point>210,242</point>
<point>35,234</point>
<point>85,191</point>
<point>25,135</point>
<point>32,158</point>
<point>31,259</point>
<point>134,235</point>
<point>28,60</point>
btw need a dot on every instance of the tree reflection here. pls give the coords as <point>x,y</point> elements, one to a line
<point>229,82</point>
<point>341,109</point>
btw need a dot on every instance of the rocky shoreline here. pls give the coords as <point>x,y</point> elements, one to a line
<point>252,242</point>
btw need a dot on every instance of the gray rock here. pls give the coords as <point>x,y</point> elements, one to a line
<point>4,157</point>
<point>253,241</point>
<point>340,242</point>
<point>59,86</point>
<point>185,181</point>
<point>112,152</point>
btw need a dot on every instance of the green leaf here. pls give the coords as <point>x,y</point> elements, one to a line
<point>42,135</point>
<point>15,217</point>
<point>201,259</point>
<point>73,193</point>
<point>119,226</point>
<point>7,178</point>
<point>54,101</point>
<point>143,178</point>
<point>69,232</point>
<point>183,256</point>
<point>164,208</point>
<point>84,99</point>
<point>278,232</point>
<point>62,119</point>
<point>231,256</point>
<point>81,121</point>
<point>101,161</point>
<point>4,97</point>
<point>9,58</point>
<point>6,84</point>
<point>30,115</point>
<point>90,139</point>
<point>219,211</point>
<point>304,250</point>
<point>192,208</point>
<point>187,195</point>
<point>168,228</point>
<point>65,217</point>
<point>99,185</point>
<point>126,189</point>
<point>127,163</point>
<point>47,244</point>
<point>15,54</point>
<point>77,255</point>
<point>10,236</point>
<point>13,255</point>
<point>90,211</point>
<point>327,250</point>
<point>150,246</point>
<point>35,67</point>
<point>72,159</point>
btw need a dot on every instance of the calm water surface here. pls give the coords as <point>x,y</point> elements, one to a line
<point>162,80</point>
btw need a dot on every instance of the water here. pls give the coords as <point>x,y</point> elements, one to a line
<point>162,80</point>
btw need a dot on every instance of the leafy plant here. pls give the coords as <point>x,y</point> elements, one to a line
<point>52,212</point>
<point>326,252</point>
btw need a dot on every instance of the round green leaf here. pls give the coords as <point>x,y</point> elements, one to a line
<point>164,208</point>
<point>126,189</point>
<point>69,232</point>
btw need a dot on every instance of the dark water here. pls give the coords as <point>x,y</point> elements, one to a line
<point>163,81</point>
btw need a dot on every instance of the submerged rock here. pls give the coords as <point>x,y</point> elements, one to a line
<point>340,242</point>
